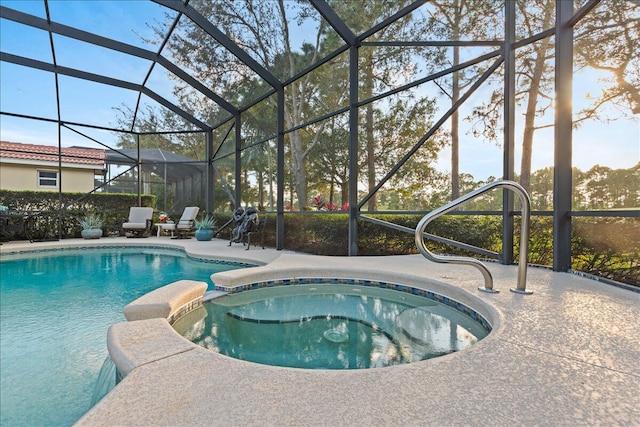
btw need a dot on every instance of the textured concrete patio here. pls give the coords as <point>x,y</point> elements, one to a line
<point>567,355</point>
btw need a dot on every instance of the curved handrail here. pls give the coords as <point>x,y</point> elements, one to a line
<point>524,237</point>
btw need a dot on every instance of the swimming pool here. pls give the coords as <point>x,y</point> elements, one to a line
<point>324,323</point>
<point>55,309</point>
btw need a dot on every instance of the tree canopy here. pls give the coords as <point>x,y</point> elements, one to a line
<point>391,122</point>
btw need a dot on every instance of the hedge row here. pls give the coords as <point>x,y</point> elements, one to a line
<point>606,247</point>
<point>37,214</point>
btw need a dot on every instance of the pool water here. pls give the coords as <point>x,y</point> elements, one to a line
<point>55,309</point>
<point>329,326</point>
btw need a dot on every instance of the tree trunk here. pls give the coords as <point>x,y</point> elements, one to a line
<point>455,117</point>
<point>298,161</point>
<point>299,168</point>
<point>532,101</point>
<point>260,176</point>
<point>367,92</point>
<point>455,144</point>
<point>332,183</point>
<point>371,157</point>
<point>344,190</point>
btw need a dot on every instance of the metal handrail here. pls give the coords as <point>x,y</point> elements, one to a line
<point>524,237</point>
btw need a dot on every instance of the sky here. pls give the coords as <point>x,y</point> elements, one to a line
<point>32,92</point>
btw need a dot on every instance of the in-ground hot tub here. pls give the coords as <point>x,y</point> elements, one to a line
<point>330,323</point>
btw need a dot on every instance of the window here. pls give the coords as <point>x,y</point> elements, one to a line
<point>47,179</point>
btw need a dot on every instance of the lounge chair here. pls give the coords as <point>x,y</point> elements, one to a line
<point>139,222</point>
<point>187,222</point>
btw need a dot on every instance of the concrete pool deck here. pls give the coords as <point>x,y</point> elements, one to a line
<point>567,355</point>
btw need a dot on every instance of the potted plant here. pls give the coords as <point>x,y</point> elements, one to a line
<point>204,228</point>
<point>91,226</point>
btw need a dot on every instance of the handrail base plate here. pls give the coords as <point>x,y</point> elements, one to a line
<point>521,291</point>
<point>489,291</point>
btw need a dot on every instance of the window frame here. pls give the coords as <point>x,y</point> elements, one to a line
<point>55,179</point>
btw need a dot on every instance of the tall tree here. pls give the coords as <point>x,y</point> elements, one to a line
<point>456,20</point>
<point>382,68</point>
<point>263,29</point>
<point>534,79</point>
<point>605,39</point>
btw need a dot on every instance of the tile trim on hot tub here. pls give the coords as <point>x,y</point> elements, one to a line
<point>457,305</point>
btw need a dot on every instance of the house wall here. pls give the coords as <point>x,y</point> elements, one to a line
<point>20,177</point>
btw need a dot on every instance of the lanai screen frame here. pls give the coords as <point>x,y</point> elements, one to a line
<point>566,19</point>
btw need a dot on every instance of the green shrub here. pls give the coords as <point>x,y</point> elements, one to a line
<point>37,214</point>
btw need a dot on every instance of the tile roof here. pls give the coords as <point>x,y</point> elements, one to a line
<point>49,153</point>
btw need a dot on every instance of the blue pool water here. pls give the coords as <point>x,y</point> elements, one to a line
<point>330,326</point>
<point>55,309</point>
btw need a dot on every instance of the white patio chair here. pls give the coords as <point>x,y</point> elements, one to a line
<point>139,222</point>
<point>187,222</point>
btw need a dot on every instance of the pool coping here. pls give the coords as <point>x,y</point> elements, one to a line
<point>566,355</point>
